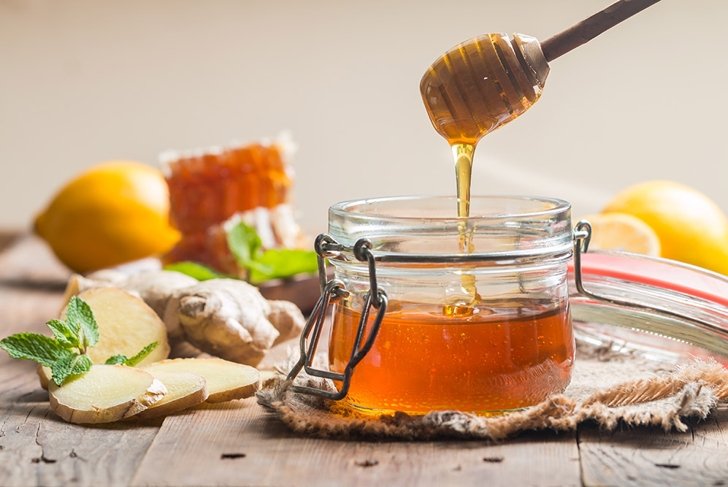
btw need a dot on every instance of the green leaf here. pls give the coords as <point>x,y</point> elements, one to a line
<point>80,317</point>
<point>32,346</point>
<point>282,263</point>
<point>143,353</point>
<point>69,366</point>
<point>194,270</point>
<point>63,333</point>
<point>131,362</point>
<point>116,360</point>
<point>244,243</point>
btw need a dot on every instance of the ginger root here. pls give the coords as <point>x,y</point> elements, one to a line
<point>227,318</point>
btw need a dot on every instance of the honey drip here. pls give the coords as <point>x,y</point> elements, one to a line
<point>468,92</point>
<point>464,301</point>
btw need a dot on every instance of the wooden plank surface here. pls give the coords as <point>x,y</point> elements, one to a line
<point>244,446</point>
<point>239,444</point>
<point>697,457</point>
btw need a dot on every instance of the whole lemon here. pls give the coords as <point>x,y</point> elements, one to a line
<point>113,213</point>
<point>691,227</point>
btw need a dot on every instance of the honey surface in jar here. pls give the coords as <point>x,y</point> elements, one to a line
<point>423,361</point>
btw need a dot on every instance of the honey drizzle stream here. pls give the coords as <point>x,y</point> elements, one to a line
<point>468,92</point>
<point>463,156</point>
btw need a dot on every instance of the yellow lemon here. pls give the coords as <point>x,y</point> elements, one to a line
<point>691,227</point>
<point>115,212</point>
<point>620,231</point>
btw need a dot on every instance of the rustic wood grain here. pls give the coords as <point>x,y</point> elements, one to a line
<point>643,457</point>
<point>239,444</point>
<point>27,262</point>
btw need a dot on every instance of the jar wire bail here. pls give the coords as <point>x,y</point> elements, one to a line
<point>332,291</point>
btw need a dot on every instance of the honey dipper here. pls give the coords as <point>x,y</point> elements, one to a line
<point>490,80</point>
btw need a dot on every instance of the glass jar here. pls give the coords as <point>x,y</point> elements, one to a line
<point>432,312</point>
<point>482,329</point>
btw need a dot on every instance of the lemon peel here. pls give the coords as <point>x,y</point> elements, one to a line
<point>113,213</point>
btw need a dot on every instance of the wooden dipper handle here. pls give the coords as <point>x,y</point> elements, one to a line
<point>588,29</point>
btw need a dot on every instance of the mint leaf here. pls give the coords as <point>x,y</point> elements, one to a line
<point>195,270</point>
<point>80,317</point>
<point>143,353</point>
<point>116,360</point>
<point>60,353</point>
<point>131,362</point>
<point>63,333</point>
<point>32,346</point>
<point>69,366</point>
<point>282,263</point>
<point>244,243</point>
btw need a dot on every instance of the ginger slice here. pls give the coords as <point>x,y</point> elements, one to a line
<point>105,394</point>
<point>224,380</point>
<point>155,287</point>
<point>126,325</point>
<point>184,390</point>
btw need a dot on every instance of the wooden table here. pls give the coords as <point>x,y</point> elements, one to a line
<point>239,444</point>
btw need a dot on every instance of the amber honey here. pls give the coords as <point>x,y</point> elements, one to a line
<point>475,88</point>
<point>207,188</point>
<point>485,362</point>
<point>462,351</point>
<point>480,85</point>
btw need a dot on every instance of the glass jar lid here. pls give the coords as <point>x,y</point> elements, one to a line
<point>657,307</point>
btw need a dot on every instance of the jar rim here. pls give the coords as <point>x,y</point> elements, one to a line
<point>501,228</point>
<point>543,207</point>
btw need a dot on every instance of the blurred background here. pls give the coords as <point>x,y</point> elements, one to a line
<point>86,81</point>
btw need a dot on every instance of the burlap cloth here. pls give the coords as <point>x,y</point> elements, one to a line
<point>606,387</point>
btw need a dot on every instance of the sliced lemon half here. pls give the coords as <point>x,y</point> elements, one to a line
<point>620,231</point>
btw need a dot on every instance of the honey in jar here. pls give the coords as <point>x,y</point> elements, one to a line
<point>424,361</point>
<point>474,301</point>
<point>511,347</point>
